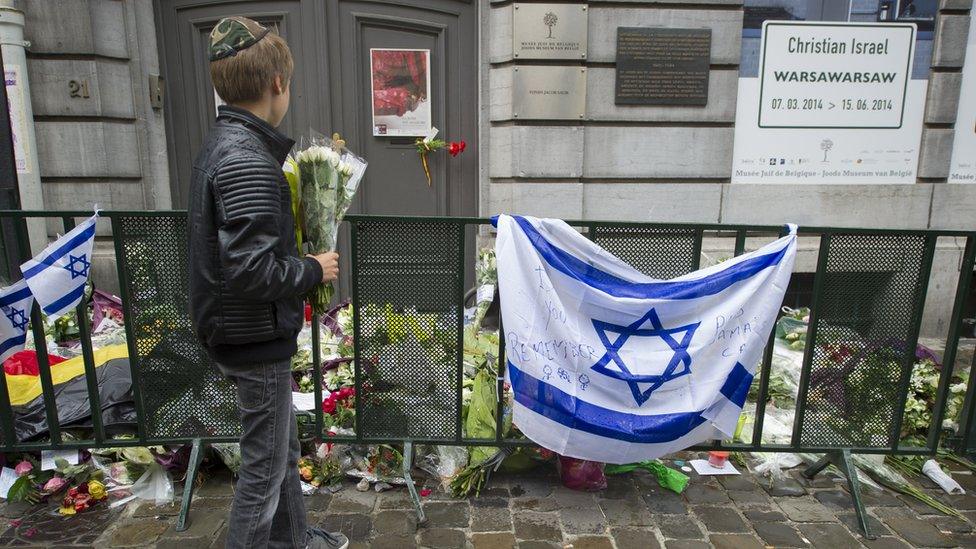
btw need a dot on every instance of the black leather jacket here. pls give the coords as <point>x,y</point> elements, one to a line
<point>247,281</point>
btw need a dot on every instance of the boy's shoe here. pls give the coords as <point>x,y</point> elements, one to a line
<point>320,539</point>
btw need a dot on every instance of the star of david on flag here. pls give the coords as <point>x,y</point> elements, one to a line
<point>608,364</point>
<point>15,304</point>
<point>57,276</point>
<point>643,384</point>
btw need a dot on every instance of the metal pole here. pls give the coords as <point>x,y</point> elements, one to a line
<point>26,180</point>
<point>9,190</point>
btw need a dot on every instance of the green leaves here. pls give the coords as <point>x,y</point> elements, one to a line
<point>24,489</point>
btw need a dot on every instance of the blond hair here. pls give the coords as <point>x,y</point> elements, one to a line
<point>247,75</point>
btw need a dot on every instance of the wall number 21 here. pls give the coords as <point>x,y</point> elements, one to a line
<point>78,88</point>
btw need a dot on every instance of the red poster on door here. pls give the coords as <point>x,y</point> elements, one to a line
<point>400,92</point>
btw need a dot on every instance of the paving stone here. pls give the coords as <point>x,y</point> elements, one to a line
<point>885,542</point>
<point>702,493</point>
<point>357,527</point>
<point>497,491</point>
<point>738,482</point>
<point>137,532</point>
<point>482,502</point>
<point>678,527</point>
<point>838,500</point>
<point>447,538</point>
<point>635,538</point>
<point>583,521</point>
<point>805,509</point>
<point>530,487</point>
<point>916,532</point>
<point>491,519</point>
<point>852,524</point>
<point>918,507</point>
<point>764,514</point>
<point>15,509</point>
<point>202,523</point>
<point>954,525</point>
<point>493,541</point>
<point>532,525</point>
<point>535,544</point>
<point>572,498</point>
<point>879,498</point>
<point>735,541</point>
<point>393,541</point>
<point>220,485</point>
<point>352,501</point>
<point>662,501</point>
<point>785,487</point>
<point>827,536</point>
<point>442,514</point>
<point>592,542</point>
<point>965,540</point>
<point>965,502</point>
<point>721,519</point>
<point>394,499</point>
<point>778,534</point>
<point>220,542</point>
<point>317,502</point>
<point>626,512</point>
<point>619,487</point>
<point>749,497</point>
<point>686,544</point>
<point>395,522</point>
<point>535,504</point>
<point>147,509</point>
<point>821,480</point>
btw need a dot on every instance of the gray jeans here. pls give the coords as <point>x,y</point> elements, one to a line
<point>268,510</point>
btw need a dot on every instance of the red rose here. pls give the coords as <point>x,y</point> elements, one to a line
<point>329,404</point>
<point>456,147</point>
<point>308,313</point>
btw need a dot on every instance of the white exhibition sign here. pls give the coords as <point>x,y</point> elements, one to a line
<point>832,103</point>
<point>962,169</point>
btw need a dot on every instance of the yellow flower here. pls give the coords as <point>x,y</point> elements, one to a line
<point>96,490</point>
<point>67,510</point>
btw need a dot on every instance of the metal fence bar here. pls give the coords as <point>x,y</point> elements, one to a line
<point>356,330</point>
<point>459,363</point>
<point>500,383</point>
<point>91,376</point>
<point>130,336</point>
<point>317,375</point>
<point>908,362</point>
<point>818,285</point>
<point>951,347</point>
<point>40,346</point>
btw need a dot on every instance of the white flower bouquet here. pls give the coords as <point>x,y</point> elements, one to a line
<point>328,178</point>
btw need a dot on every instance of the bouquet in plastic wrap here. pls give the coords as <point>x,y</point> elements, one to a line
<point>328,176</point>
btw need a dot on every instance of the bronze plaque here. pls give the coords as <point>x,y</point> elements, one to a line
<point>659,66</point>
<point>549,31</point>
<point>549,93</point>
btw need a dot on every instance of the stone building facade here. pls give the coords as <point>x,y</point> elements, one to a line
<point>649,163</point>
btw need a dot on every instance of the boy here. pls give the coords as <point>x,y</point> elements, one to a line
<point>247,281</point>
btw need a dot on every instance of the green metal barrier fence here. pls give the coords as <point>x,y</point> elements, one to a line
<point>870,282</point>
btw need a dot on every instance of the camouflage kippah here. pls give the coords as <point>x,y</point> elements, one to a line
<point>233,34</point>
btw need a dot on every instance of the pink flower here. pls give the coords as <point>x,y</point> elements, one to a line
<point>31,532</point>
<point>55,485</point>
<point>23,468</point>
<point>425,492</point>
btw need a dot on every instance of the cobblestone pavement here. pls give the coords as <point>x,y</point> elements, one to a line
<point>534,511</point>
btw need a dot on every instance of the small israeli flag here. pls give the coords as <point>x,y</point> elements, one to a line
<point>15,305</point>
<point>610,365</point>
<point>57,276</point>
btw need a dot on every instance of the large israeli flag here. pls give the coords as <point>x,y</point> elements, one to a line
<point>15,306</point>
<point>610,365</point>
<point>57,276</point>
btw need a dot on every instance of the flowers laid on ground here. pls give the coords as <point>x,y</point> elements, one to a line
<point>429,144</point>
<point>328,178</point>
<point>82,497</point>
